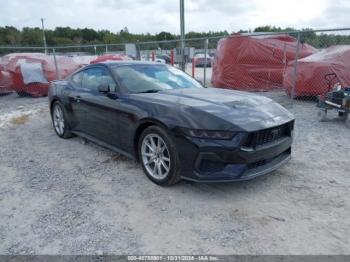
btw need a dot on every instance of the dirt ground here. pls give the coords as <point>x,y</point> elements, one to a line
<point>68,197</point>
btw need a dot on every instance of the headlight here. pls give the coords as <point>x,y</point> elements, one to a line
<point>208,134</point>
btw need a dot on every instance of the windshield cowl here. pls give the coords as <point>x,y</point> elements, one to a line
<point>149,91</point>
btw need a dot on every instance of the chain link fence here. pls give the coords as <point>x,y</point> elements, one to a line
<point>286,66</point>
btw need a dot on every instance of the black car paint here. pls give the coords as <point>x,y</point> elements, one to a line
<point>115,120</point>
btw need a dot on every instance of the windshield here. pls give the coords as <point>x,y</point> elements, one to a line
<point>153,78</point>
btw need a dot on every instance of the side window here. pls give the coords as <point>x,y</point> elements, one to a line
<point>94,77</point>
<point>77,78</point>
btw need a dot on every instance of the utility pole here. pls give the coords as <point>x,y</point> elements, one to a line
<point>182,32</point>
<point>44,37</point>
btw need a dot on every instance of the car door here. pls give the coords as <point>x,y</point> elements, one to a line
<point>73,94</point>
<point>96,112</point>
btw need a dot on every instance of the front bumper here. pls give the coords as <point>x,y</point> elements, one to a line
<point>208,161</point>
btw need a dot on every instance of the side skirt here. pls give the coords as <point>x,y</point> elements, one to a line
<point>103,144</point>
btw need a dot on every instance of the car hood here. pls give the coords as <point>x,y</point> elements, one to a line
<point>216,108</point>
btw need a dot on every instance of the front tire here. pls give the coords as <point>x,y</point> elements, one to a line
<point>343,115</point>
<point>158,156</point>
<point>60,121</point>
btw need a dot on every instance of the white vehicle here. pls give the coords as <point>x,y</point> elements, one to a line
<point>156,59</point>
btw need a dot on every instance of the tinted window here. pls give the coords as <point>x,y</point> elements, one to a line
<point>142,78</point>
<point>93,77</point>
<point>77,78</point>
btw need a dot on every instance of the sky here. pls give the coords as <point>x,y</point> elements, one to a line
<point>154,16</point>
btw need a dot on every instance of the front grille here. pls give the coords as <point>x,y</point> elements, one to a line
<point>266,161</point>
<point>270,135</point>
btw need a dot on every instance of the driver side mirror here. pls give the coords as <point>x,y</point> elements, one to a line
<point>103,88</point>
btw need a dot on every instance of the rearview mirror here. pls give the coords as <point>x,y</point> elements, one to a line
<point>103,88</point>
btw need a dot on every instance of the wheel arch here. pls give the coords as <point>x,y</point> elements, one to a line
<point>145,123</point>
<point>53,100</point>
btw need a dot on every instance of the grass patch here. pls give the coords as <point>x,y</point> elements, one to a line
<point>20,120</point>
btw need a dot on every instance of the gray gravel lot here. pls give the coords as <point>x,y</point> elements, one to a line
<point>67,197</point>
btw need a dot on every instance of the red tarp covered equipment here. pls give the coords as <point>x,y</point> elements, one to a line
<point>110,57</point>
<point>254,63</point>
<point>30,73</point>
<point>311,72</point>
<point>5,82</point>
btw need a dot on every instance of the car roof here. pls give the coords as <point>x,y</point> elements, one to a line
<point>117,63</point>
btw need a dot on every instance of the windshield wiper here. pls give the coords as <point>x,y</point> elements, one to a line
<point>150,91</point>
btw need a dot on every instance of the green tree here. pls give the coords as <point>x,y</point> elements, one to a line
<point>32,36</point>
<point>12,36</point>
<point>164,36</point>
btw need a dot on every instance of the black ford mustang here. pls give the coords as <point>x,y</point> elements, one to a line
<point>165,119</point>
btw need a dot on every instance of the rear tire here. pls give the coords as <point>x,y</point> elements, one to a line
<point>158,156</point>
<point>60,120</point>
<point>343,115</point>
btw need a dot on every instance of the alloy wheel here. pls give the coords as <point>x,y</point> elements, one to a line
<point>58,120</point>
<point>155,156</point>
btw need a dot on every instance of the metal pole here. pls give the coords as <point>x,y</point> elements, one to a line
<point>44,37</point>
<point>172,57</point>
<point>193,66</point>
<point>138,51</point>
<point>295,68</point>
<point>106,49</point>
<point>182,32</point>
<point>206,42</point>
<point>58,77</point>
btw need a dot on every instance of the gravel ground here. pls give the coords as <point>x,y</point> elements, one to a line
<point>69,197</point>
